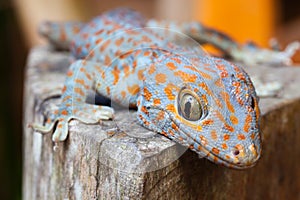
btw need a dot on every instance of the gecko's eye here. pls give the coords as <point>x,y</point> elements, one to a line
<point>189,106</point>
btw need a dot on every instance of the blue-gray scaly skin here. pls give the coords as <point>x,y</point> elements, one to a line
<point>201,102</point>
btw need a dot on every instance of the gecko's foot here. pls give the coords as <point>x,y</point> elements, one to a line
<point>251,54</point>
<point>86,113</point>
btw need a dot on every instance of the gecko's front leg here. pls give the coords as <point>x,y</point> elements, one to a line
<point>81,77</point>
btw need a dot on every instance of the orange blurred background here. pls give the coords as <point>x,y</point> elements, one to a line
<point>256,20</point>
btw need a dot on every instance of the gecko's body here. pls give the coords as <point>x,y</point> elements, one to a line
<point>205,103</point>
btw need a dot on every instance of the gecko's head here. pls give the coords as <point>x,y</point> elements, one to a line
<point>211,107</point>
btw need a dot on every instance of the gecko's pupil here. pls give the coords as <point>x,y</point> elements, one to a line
<point>252,103</point>
<point>187,109</point>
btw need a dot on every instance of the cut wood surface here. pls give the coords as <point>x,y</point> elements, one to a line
<point>121,160</point>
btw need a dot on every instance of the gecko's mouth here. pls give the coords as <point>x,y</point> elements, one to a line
<point>237,159</point>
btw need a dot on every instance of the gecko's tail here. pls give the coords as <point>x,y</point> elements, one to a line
<point>59,34</point>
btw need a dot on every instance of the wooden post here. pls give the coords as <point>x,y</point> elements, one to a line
<point>122,160</point>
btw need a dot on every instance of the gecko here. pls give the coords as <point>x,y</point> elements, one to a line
<point>202,102</point>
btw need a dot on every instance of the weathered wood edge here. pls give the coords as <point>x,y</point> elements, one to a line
<point>78,170</point>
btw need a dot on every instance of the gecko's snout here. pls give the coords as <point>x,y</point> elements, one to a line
<point>245,156</point>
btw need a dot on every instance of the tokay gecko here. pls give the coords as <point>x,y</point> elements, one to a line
<point>205,103</point>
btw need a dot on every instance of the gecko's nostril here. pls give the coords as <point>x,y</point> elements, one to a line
<point>236,152</point>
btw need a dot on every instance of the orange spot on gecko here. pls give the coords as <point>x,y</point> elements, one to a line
<point>226,137</point>
<point>88,45</point>
<point>207,122</point>
<point>134,89</point>
<point>116,74</point>
<point>227,157</point>
<point>144,110</point>
<point>48,121</point>
<point>126,70</point>
<point>160,78</point>
<point>171,133</point>
<point>215,159</point>
<point>205,87</point>
<point>203,96</point>
<point>205,75</point>
<point>82,69</point>
<point>80,81</point>
<point>200,148</point>
<point>185,76</point>
<point>146,53</point>
<point>214,135</point>
<point>99,32</point>
<point>171,108</point>
<point>79,91</point>
<point>154,54</point>
<point>224,74</point>
<point>98,41</point>
<point>75,29</point>
<point>146,39</point>
<point>64,89</point>
<point>64,112</point>
<point>176,60</point>
<point>100,71</point>
<point>247,123</point>
<point>119,41</point>
<point>152,69</point>
<point>107,60</point>
<point>144,120</point>
<point>226,97</point>
<point>78,50</point>
<point>160,115</point>
<point>88,76</point>
<point>104,46</point>
<point>234,120</point>
<point>215,150</point>
<point>134,64</point>
<point>164,133</point>
<point>224,146</point>
<point>171,66</point>
<point>69,73</point>
<point>203,140</point>
<point>78,99</point>
<point>228,127</point>
<point>108,90</point>
<point>123,94</point>
<point>168,91</point>
<point>147,94</point>
<point>156,102</point>
<point>140,74</point>
<point>220,116</point>
<point>241,137</point>
<point>219,83</point>
<point>174,126</point>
